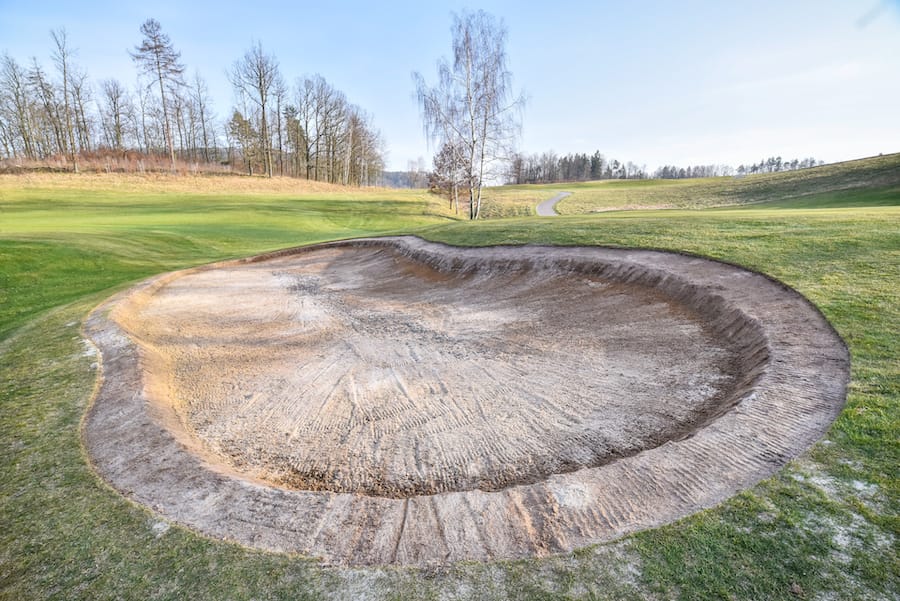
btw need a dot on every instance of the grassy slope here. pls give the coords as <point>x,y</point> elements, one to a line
<point>825,525</point>
<point>872,181</point>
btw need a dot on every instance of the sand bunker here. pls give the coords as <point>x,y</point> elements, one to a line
<point>395,401</point>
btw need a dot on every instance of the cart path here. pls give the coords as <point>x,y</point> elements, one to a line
<point>548,207</point>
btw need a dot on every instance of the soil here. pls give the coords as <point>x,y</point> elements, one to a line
<point>396,401</point>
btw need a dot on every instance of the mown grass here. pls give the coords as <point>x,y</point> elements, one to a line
<point>866,182</point>
<point>60,242</point>
<point>825,527</point>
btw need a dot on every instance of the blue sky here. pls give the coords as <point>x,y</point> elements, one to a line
<point>653,82</point>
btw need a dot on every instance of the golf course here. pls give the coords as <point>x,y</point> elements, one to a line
<point>825,526</point>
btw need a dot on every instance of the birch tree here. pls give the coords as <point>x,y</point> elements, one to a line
<point>448,173</point>
<point>472,106</point>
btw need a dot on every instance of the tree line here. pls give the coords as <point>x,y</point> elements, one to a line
<point>770,165</point>
<point>548,168</point>
<point>308,129</point>
<point>776,165</point>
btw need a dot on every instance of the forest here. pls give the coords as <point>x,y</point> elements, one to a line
<point>57,118</point>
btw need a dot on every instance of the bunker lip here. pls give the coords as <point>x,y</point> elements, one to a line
<point>777,376</point>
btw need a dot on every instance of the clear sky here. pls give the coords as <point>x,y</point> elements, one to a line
<point>654,82</point>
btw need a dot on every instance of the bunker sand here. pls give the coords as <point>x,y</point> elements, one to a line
<point>395,401</point>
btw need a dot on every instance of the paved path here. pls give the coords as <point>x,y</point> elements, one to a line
<point>548,207</point>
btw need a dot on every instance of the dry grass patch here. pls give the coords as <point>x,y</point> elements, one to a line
<point>158,183</point>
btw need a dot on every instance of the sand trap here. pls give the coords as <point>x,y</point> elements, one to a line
<point>396,401</point>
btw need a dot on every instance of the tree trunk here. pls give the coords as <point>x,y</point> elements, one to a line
<point>167,130</point>
<point>73,155</point>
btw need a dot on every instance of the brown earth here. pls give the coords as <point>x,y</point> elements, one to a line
<point>396,401</point>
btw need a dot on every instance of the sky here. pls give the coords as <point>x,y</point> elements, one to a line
<point>649,81</point>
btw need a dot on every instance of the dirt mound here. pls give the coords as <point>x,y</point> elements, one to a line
<point>395,401</point>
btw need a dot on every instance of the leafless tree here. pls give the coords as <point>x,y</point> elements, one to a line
<point>61,55</point>
<point>117,112</point>
<point>16,106</point>
<point>157,57</point>
<point>472,107</point>
<point>202,102</point>
<point>315,131</point>
<point>328,117</point>
<point>81,98</point>
<point>51,136</point>
<point>280,92</point>
<point>146,130</point>
<point>304,132</point>
<point>449,173</point>
<point>256,76</point>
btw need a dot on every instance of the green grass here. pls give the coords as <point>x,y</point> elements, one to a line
<point>868,182</point>
<point>58,245</point>
<point>827,526</point>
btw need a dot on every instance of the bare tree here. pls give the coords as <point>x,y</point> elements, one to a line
<point>146,131</point>
<point>81,97</point>
<point>156,56</point>
<point>51,136</point>
<point>336,140</point>
<point>116,112</point>
<point>202,101</point>
<point>472,106</point>
<point>314,130</point>
<point>328,113</point>
<point>280,91</point>
<point>449,173</point>
<point>308,113</point>
<point>14,99</point>
<point>61,57</point>
<point>256,76</point>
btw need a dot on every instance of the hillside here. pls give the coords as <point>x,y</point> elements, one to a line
<point>872,181</point>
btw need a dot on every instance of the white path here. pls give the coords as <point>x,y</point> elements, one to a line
<point>548,207</point>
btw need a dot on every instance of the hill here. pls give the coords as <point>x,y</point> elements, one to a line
<point>873,181</point>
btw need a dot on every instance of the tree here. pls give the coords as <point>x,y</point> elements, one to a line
<point>16,106</point>
<point>449,174</point>
<point>47,119</point>
<point>157,57</point>
<point>201,100</point>
<point>81,98</point>
<point>471,107</point>
<point>256,76</point>
<point>241,131</point>
<point>117,111</point>
<point>315,131</point>
<point>61,57</point>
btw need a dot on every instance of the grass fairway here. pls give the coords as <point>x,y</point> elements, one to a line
<point>63,237</point>
<point>826,527</point>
